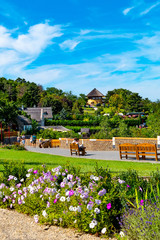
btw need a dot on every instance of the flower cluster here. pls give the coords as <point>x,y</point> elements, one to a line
<point>59,197</point>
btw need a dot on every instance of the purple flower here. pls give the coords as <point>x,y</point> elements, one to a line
<point>71,192</point>
<point>55,200</point>
<point>128,186</point>
<point>48,204</point>
<point>102,192</point>
<point>35,171</point>
<point>62,184</point>
<point>19,201</point>
<point>142,202</point>
<point>20,192</point>
<point>140,189</point>
<point>109,206</point>
<point>97,201</point>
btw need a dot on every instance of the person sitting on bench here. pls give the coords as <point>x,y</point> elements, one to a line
<point>81,147</point>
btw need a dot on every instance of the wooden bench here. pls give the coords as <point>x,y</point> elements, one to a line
<point>127,149</point>
<point>147,149</point>
<point>45,144</point>
<point>55,143</point>
<point>74,148</point>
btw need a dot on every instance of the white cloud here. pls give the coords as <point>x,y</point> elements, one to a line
<point>149,9</point>
<point>69,44</point>
<point>18,52</point>
<point>127,10</point>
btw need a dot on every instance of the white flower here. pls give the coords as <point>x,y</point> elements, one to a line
<point>121,181</point>
<point>75,221</point>
<point>96,178</point>
<point>71,208</point>
<point>121,234</point>
<point>15,178</point>
<point>74,209</point>
<point>79,209</point>
<point>91,225</point>
<point>95,222</point>
<point>62,199</point>
<point>89,207</point>
<point>36,217</point>
<point>28,175</point>
<point>44,213</point>
<point>103,230</point>
<point>69,177</point>
<point>97,210</point>
<point>11,189</point>
<point>22,180</point>
<point>68,199</point>
<point>67,193</point>
<point>91,177</point>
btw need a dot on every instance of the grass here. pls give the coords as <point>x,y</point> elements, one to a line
<point>34,160</point>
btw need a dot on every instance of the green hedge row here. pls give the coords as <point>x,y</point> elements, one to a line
<point>78,128</point>
<point>72,122</point>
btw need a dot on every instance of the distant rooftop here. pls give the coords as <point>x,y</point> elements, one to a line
<point>35,112</point>
<point>56,128</point>
<point>95,93</point>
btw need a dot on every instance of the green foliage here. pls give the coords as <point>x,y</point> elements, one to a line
<point>16,169</point>
<point>50,134</point>
<point>72,122</point>
<point>14,147</point>
<point>153,123</point>
<point>142,224</point>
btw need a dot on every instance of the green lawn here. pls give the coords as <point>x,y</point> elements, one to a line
<point>87,165</point>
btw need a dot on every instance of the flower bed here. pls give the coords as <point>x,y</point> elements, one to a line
<point>64,197</point>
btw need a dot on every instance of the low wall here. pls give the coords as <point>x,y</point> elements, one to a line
<point>102,144</point>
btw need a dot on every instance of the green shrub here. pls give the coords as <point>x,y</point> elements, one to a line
<point>14,147</point>
<point>14,168</point>
<point>142,223</point>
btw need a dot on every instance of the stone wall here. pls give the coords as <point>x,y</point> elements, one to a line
<point>102,144</point>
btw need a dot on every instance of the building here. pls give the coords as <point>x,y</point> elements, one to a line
<point>39,113</point>
<point>24,123</point>
<point>95,97</point>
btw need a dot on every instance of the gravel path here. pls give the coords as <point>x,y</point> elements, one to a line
<point>17,226</point>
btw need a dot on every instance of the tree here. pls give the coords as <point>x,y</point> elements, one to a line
<point>52,101</point>
<point>53,90</point>
<point>153,122</point>
<point>116,102</point>
<point>8,110</point>
<point>77,108</point>
<point>32,95</point>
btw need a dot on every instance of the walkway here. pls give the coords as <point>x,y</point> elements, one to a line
<point>99,155</point>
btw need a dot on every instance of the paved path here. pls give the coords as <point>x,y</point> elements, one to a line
<point>99,155</point>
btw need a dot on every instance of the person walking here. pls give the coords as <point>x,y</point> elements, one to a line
<point>34,140</point>
<point>31,140</point>
<point>23,139</point>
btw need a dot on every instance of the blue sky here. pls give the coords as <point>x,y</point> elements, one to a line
<point>79,45</point>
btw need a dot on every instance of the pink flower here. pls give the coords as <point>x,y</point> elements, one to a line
<point>142,202</point>
<point>71,192</point>
<point>128,186</point>
<point>35,171</point>
<point>55,200</point>
<point>109,206</point>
